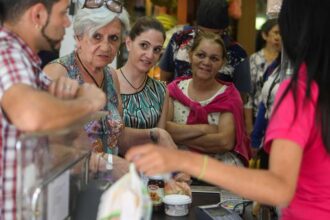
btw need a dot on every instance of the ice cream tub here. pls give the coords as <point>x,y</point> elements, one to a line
<point>177,205</point>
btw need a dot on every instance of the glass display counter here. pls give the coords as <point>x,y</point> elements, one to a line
<point>55,168</point>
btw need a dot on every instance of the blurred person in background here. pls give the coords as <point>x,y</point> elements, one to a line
<point>270,40</point>
<point>267,97</point>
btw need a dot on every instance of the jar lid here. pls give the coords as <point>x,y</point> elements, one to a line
<point>176,199</point>
<point>156,177</point>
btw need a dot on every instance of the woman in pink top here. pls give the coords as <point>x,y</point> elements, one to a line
<point>298,136</point>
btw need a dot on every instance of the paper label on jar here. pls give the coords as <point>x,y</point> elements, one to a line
<point>156,194</point>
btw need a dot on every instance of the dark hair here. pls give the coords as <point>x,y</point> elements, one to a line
<point>145,23</point>
<point>12,10</point>
<point>265,28</point>
<point>216,38</point>
<point>2,12</point>
<point>213,14</point>
<point>307,40</point>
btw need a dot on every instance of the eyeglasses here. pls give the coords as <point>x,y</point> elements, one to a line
<point>113,5</point>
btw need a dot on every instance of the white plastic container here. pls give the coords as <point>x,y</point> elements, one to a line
<point>177,205</point>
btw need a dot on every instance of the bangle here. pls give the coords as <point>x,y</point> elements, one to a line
<point>153,136</point>
<point>202,173</point>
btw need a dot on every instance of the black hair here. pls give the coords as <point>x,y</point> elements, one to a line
<point>306,40</point>
<point>216,38</point>
<point>213,14</point>
<point>12,10</point>
<point>145,23</point>
<point>265,28</point>
<point>2,12</point>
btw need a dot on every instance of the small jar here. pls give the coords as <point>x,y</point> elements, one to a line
<point>156,192</point>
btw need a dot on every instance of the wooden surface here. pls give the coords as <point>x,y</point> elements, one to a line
<point>246,33</point>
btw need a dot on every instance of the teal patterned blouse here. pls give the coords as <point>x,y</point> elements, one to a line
<point>105,132</point>
<point>144,108</point>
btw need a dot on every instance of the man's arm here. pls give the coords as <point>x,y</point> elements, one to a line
<point>39,110</point>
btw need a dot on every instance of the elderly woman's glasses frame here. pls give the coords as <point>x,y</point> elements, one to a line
<point>113,5</point>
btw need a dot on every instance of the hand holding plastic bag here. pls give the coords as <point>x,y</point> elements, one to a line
<point>127,199</point>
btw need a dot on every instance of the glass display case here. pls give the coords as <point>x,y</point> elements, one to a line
<point>55,168</point>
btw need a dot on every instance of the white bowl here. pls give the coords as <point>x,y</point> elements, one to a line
<point>177,205</point>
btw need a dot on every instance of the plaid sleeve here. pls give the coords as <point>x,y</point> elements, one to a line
<point>14,68</point>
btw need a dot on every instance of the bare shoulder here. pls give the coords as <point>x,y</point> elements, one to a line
<point>114,75</point>
<point>55,70</point>
<point>114,72</point>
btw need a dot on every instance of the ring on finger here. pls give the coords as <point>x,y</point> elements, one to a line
<point>67,88</point>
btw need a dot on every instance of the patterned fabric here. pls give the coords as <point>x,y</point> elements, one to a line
<point>228,101</point>
<point>181,111</point>
<point>144,108</point>
<point>267,97</point>
<point>258,66</point>
<point>269,90</point>
<point>176,60</point>
<point>18,64</point>
<point>104,133</point>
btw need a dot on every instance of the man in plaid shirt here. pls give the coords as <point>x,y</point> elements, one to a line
<point>29,100</point>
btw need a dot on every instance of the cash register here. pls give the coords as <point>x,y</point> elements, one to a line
<point>215,212</point>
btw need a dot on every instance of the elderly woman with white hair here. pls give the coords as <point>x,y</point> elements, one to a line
<point>99,27</point>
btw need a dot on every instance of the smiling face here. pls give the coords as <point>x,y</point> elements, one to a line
<point>206,59</point>
<point>145,49</point>
<point>101,48</point>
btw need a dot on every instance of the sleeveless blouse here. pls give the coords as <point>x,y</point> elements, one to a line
<point>144,108</point>
<point>105,132</point>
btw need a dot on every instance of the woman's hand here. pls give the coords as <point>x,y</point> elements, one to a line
<point>151,159</point>
<point>164,138</point>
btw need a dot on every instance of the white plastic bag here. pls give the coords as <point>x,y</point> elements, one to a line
<point>127,199</point>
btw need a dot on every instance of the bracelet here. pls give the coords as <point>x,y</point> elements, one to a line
<point>153,136</point>
<point>202,173</point>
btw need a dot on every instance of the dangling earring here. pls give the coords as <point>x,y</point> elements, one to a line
<point>77,44</point>
<point>37,26</point>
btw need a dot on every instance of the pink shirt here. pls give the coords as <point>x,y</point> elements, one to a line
<point>312,197</point>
